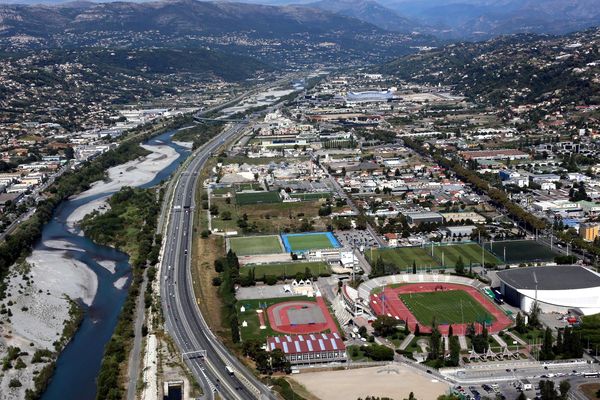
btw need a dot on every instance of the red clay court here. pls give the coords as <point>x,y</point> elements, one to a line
<point>301,317</point>
<point>396,308</point>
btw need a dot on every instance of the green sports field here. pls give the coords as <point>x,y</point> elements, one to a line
<point>470,253</point>
<point>311,196</point>
<point>243,199</point>
<point>403,257</point>
<point>447,307</point>
<point>286,269</point>
<point>310,242</point>
<point>253,245</point>
<point>521,251</point>
<point>253,331</point>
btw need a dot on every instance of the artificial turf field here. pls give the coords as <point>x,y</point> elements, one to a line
<point>521,251</point>
<point>470,253</point>
<point>243,199</point>
<point>403,257</point>
<point>309,242</point>
<point>253,245</point>
<point>447,307</point>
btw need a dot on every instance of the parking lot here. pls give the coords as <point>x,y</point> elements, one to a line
<point>356,238</point>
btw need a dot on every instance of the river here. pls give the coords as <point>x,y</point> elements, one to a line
<point>79,363</point>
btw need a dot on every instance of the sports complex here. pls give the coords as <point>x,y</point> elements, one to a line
<point>421,298</point>
<point>556,288</point>
<point>284,243</point>
<point>291,316</point>
<point>448,255</point>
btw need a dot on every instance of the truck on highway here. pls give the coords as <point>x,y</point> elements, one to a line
<point>229,370</point>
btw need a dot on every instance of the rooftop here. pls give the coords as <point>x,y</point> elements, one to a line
<point>560,277</point>
<point>294,344</point>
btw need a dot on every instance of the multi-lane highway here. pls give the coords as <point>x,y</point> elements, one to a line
<point>204,354</point>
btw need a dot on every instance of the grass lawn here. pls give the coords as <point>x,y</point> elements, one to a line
<point>447,307</point>
<point>287,269</point>
<point>253,331</point>
<point>252,245</point>
<point>521,251</point>
<point>309,242</point>
<point>311,196</point>
<point>356,354</point>
<point>257,198</point>
<point>403,257</point>
<point>470,253</point>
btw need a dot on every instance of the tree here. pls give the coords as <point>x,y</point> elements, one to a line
<point>434,342</point>
<point>460,266</point>
<point>417,330</point>
<point>534,315</point>
<point>454,346</point>
<point>385,325</point>
<point>226,215</point>
<point>522,396</point>
<point>520,323</point>
<point>414,267</point>
<point>564,387</point>
<point>546,350</point>
<point>362,331</point>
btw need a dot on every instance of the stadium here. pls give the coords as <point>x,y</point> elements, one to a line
<point>556,288</point>
<point>419,298</point>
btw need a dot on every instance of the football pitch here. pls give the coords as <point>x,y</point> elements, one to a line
<point>254,245</point>
<point>470,252</point>
<point>309,241</point>
<point>447,307</point>
<point>521,251</point>
<point>243,199</point>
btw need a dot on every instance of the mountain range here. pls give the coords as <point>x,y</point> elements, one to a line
<point>466,19</point>
<point>447,19</point>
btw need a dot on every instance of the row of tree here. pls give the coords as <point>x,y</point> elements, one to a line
<point>498,197</point>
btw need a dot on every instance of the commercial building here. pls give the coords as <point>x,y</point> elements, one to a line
<point>589,232</point>
<point>556,288</point>
<point>500,154</point>
<point>309,348</point>
<point>417,218</point>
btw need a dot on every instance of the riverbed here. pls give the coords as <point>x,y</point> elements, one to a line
<point>64,262</point>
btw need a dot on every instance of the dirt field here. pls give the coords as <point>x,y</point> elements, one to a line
<point>395,381</point>
<point>590,389</point>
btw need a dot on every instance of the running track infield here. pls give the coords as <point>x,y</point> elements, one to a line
<point>395,307</point>
<point>301,317</point>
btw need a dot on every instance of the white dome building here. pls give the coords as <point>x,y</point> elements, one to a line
<point>556,288</point>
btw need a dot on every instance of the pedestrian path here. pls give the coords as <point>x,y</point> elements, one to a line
<point>463,342</point>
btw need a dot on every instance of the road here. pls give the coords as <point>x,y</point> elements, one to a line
<point>342,193</point>
<point>35,195</point>
<point>183,319</point>
<point>133,366</point>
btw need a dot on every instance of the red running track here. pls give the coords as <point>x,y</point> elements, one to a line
<point>286,327</point>
<point>396,308</point>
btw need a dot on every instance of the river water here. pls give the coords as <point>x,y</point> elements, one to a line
<point>79,363</point>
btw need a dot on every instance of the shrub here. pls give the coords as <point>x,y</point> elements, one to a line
<point>14,383</point>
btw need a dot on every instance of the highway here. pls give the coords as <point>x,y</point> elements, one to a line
<point>183,319</point>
